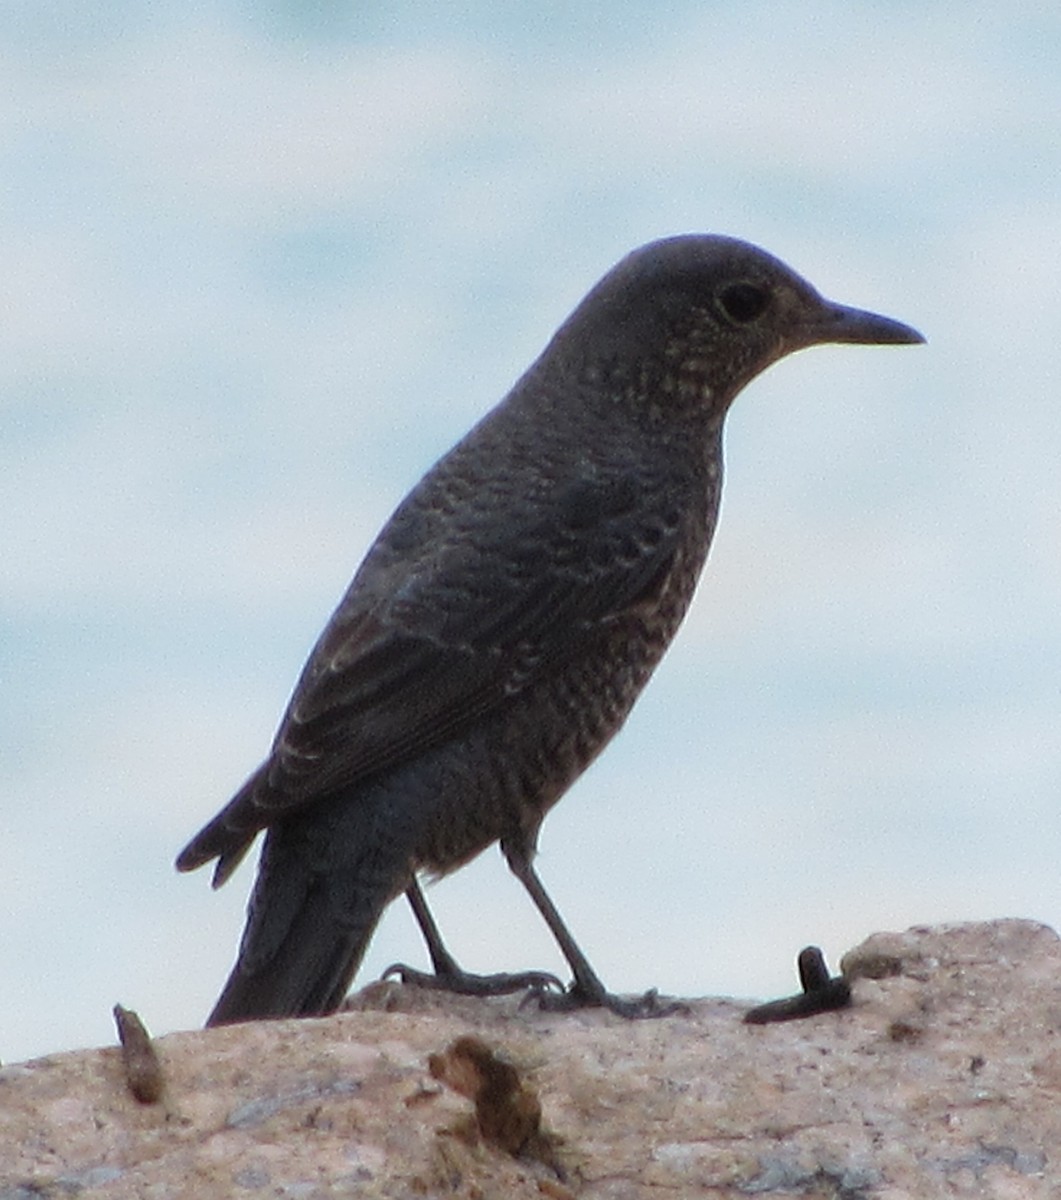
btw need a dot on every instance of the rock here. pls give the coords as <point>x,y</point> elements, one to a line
<point>942,1080</point>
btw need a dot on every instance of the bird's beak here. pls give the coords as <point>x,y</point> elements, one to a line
<point>838,323</point>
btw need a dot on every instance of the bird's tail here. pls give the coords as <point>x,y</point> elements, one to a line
<point>311,916</point>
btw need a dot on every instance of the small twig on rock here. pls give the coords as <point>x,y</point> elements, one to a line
<point>143,1070</point>
<point>821,993</point>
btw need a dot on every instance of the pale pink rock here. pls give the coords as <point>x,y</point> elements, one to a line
<point>942,1080</point>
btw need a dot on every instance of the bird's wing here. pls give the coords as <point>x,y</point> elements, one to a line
<point>457,637</point>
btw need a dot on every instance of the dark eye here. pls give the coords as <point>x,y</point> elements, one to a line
<point>743,302</point>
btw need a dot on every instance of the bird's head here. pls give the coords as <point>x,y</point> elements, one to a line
<point>702,315</point>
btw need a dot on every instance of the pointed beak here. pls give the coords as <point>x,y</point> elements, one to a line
<point>838,323</point>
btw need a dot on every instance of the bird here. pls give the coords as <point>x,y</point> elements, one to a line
<point>503,624</point>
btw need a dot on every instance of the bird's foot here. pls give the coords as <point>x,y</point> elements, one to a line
<point>634,1008</point>
<point>464,983</point>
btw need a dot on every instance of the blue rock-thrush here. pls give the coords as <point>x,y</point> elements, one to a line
<point>504,622</point>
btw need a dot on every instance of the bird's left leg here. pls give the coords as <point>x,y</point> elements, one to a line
<point>448,975</point>
<point>586,989</point>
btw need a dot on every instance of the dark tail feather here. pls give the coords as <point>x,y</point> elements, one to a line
<point>308,926</point>
<point>310,973</point>
<point>230,834</point>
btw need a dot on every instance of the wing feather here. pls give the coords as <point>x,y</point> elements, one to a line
<point>437,631</point>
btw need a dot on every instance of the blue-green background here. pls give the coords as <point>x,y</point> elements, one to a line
<point>261,264</point>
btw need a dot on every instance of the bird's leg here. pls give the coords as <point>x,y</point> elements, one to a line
<point>586,989</point>
<point>448,975</point>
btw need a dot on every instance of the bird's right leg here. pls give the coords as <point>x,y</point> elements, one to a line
<point>586,989</point>
<point>448,975</point>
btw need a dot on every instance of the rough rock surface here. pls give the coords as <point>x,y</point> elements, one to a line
<point>943,1079</point>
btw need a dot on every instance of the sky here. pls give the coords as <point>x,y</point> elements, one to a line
<point>263,263</point>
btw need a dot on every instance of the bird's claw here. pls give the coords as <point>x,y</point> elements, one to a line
<point>464,983</point>
<point>634,1008</point>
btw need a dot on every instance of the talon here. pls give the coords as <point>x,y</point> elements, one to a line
<point>646,1007</point>
<point>406,974</point>
<point>466,984</point>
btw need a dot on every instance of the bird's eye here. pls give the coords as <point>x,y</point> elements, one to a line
<point>743,303</point>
